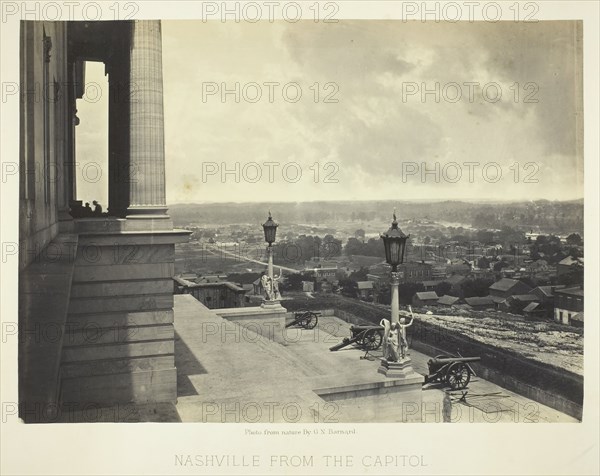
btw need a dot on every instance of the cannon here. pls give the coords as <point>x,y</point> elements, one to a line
<point>453,371</point>
<point>305,319</point>
<point>366,337</point>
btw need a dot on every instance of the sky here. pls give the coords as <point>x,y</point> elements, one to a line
<point>503,123</point>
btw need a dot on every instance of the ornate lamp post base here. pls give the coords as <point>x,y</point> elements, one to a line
<point>400,369</point>
<point>274,304</point>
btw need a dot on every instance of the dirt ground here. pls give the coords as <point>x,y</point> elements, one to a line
<point>544,341</point>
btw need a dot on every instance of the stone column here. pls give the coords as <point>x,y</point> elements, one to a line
<point>395,301</point>
<point>146,147</point>
<point>118,135</point>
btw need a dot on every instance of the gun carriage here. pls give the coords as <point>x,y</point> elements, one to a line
<point>305,319</point>
<point>365,337</point>
<point>453,371</point>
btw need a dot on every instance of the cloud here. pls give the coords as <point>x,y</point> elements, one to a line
<point>372,127</point>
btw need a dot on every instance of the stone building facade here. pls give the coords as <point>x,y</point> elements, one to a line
<point>103,283</point>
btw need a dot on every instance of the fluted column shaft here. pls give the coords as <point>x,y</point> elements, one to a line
<point>146,122</point>
<point>118,138</point>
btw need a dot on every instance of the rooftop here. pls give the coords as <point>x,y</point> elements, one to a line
<point>479,301</point>
<point>427,295</point>
<point>431,283</point>
<point>525,297</point>
<point>574,291</point>
<point>532,306</point>
<point>455,279</point>
<point>504,284</point>
<point>571,261</point>
<point>448,300</point>
<point>549,291</point>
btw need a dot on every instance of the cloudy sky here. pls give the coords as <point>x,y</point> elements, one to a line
<point>362,129</point>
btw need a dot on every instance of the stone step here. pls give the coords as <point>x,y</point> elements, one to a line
<point>122,288</point>
<point>136,387</point>
<point>94,254</point>
<point>116,366</point>
<point>92,335</point>
<point>123,272</point>
<point>107,351</point>
<point>120,319</point>
<point>87,305</point>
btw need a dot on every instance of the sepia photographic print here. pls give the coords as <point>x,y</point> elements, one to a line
<point>299,238</point>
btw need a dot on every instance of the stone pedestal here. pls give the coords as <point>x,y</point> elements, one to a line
<point>120,344</point>
<point>274,305</point>
<point>400,369</point>
<point>266,320</point>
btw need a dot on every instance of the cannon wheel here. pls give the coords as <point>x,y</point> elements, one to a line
<point>371,339</point>
<point>458,376</point>
<point>305,318</point>
<point>309,320</point>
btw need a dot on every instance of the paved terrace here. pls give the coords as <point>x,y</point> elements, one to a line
<point>228,373</point>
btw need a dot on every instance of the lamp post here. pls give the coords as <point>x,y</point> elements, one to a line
<point>270,229</point>
<point>395,361</point>
<point>394,241</point>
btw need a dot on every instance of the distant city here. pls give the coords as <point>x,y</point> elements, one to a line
<point>519,260</point>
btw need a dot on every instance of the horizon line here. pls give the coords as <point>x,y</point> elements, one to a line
<point>438,200</point>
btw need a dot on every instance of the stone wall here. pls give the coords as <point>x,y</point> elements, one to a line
<point>45,129</point>
<point>120,341</point>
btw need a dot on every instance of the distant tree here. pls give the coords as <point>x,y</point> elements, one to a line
<point>360,275</point>
<point>476,287</point>
<point>359,234</point>
<point>330,247</point>
<point>348,287</point>
<point>407,291</point>
<point>427,240</point>
<point>484,236</point>
<point>443,288</point>
<point>574,239</point>
<point>529,282</point>
<point>353,247</point>
<point>498,265</point>
<point>572,278</point>
<point>383,296</point>
<point>292,282</point>
<point>483,263</point>
<point>460,239</point>
<point>549,245</point>
<point>375,248</point>
<point>574,252</point>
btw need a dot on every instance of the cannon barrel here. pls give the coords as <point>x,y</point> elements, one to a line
<point>297,318</point>
<point>344,343</point>
<point>364,328</point>
<point>449,360</point>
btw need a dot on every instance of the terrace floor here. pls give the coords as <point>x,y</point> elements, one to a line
<point>228,373</point>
